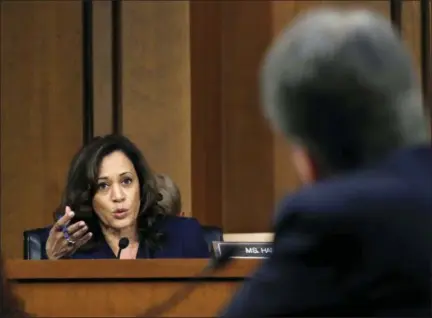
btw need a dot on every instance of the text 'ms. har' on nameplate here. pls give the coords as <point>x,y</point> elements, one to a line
<point>244,250</point>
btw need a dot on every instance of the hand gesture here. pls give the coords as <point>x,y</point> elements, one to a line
<point>64,240</point>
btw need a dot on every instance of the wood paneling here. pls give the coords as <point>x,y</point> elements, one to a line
<point>102,67</point>
<point>1,145</point>
<point>123,299</point>
<point>87,269</point>
<point>206,137</point>
<point>411,29</point>
<point>109,288</point>
<point>40,111</point>
<point>247,140</point>
<point>156,86</point>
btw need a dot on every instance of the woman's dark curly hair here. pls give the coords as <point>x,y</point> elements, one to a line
<point>81,186</point>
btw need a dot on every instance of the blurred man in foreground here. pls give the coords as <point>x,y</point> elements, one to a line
<point>357,239</point>
<point>10,306</point>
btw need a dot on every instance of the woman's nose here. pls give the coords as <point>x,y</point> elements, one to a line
<point>117,194</point>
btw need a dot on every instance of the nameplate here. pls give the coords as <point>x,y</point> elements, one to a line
<point>250,250</point>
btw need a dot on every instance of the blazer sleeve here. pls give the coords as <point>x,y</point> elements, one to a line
<point>194,243</point>
<point>299,278</point>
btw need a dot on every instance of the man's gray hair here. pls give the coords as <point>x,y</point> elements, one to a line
<point>343,85</point>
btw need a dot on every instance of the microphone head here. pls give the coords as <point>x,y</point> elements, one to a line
<point>123,243</point>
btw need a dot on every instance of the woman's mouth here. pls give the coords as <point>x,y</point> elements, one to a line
<point>120,214</point>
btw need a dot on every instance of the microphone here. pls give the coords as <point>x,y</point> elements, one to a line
<point>123,243</point>
<point>216,263</point>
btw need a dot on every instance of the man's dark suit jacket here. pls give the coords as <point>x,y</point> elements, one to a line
<point>184,239</point>
<point>358,245</point>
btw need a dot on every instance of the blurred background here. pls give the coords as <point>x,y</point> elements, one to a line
<point>179,78</point>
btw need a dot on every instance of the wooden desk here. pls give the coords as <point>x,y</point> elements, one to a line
<point>113,288</point>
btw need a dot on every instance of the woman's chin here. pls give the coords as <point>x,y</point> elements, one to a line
<point>122,224</point>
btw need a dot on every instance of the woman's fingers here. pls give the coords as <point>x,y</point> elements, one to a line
<point>83,240</point>
<point>75,227</point>
<point>77,235</point>
<point>80,237</point>
<point>63,221</point>
<point>86,238</point>
<point>65,249</point>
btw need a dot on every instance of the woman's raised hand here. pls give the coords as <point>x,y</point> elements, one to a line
<point>64,240</point>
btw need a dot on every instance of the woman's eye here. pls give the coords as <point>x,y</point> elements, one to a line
<point>127,181</point>
<point>102,186</point>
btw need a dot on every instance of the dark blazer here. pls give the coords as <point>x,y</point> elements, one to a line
<point>357,245</point>
<point>184,238</point>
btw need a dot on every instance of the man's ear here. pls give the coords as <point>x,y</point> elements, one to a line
<point>304,164</point>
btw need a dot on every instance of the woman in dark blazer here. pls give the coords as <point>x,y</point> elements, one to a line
<point>111,194</point>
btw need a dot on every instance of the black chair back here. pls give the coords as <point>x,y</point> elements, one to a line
<point>33,248</point>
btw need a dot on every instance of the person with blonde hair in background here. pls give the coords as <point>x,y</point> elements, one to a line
<point>170,197</point>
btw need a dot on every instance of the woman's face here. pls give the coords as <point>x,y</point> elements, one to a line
<point>117,199</point>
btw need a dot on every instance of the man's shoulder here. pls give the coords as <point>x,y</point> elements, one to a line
<point>356,195</point>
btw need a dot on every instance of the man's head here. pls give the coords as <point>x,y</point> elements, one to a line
<point>342,86</point>
<point>171,198</point>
